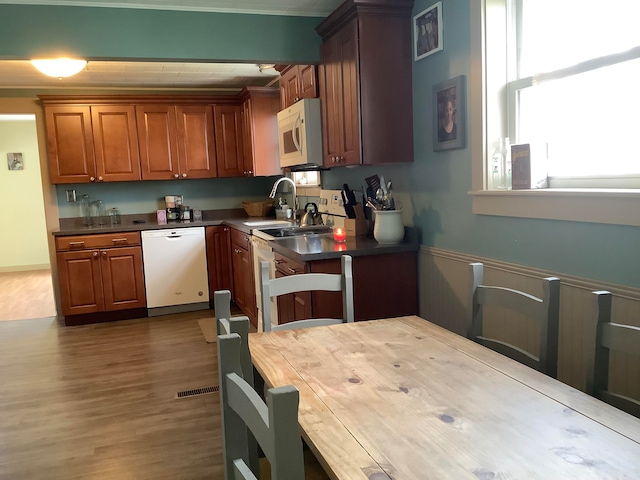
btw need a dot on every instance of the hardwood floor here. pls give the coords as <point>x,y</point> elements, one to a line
<point>97,401</point>
<point>27,294</point>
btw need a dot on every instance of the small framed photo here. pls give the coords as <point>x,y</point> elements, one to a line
<point>449,118</point>
<point>427,28</point>
<point>14,161</point>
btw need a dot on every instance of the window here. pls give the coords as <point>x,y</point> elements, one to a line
<point>560,75</point>
<point>573,89</point>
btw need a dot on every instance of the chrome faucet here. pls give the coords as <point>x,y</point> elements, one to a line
<point>295,197</point>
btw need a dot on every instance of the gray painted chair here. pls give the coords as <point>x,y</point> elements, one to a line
<point>331,282</point>
<point>274,424</point>
<point>611,336</point>
<point>544,311</point>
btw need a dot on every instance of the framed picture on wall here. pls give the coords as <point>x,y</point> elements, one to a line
<point>449,118</point>
<point>14,161</point>
<point>427,28</point>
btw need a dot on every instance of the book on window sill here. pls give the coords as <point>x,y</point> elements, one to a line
<point>525,173</point>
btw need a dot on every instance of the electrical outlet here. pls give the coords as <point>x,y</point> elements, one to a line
<point>71,195</point>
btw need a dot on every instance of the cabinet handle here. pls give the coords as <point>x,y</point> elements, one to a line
<point>92,179</point>
<point>76,244</point>
<point>175,176</point>
<point>184,175</point>
<point>100,178</point>
<point>250,172</point>
<point>95,254</point>
<point>225,229</point>
<point>119,240</point>
<point>278,262</point>
<point>292,270</point>
<point>104,254</point>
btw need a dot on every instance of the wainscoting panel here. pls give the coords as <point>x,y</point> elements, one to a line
<point>445,282</point>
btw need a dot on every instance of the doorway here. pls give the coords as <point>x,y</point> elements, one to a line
<point>26,287</point>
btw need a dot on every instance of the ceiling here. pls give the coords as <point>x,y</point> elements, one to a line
<point>163,75</point>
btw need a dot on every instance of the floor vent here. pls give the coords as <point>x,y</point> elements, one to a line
<point>197,391</point>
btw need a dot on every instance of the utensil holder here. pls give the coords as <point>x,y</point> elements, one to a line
<point>388,228</point>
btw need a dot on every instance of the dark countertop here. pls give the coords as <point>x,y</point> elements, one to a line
<point>138,222</point>
<point>306,248</point>
<point>302,248</point>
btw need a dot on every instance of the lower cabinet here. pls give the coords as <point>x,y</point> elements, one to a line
<point>219,259</point>
<point>243,282</point>
<point>394,296</point>
<point>100,273</point>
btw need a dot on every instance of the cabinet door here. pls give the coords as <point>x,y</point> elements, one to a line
<point>340,95</point>
<point>293,306</point>
<point>289,87</point>
<point>196,142</point>
<point>307,79</point>
<point>219,259</point>
<point>80,282</point>
<point>158,141</point>
<point>116,143</point>
<point>229,135</point>
<point>243,284</point>
<point>260,122</point>
<point>122,278</point>
<point>70,144</point>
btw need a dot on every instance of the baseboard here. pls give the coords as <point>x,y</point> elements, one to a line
<point>25,268</point>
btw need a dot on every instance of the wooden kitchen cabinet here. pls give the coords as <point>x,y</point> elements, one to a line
<point>229,130</point>
<point>219,265</point>
<point>373,298</point>
<point>293,306</point>
<point>243,279</point>
<point>365,83</point>
<point>176,141</point>
<point>297,82</point>
<point>260,107</point>
<point>100,273</point>
<point>96,143</point>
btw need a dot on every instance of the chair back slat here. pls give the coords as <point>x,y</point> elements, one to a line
<point>544,311</point>
<point>610,336</point>
<point>222,305</point>
<point>272,288</point>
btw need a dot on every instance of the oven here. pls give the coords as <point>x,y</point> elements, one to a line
<point>262,252</point>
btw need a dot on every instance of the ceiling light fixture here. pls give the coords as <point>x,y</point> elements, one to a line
<point>266,66</point>
<point>59,67</point>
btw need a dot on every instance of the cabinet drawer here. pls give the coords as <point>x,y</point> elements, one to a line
<point>288,266</point>
<point>240,238</point>
<point>102,240</point>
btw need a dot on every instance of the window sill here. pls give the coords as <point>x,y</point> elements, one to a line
<point>611,206</point>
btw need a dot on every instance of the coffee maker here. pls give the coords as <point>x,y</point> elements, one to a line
<point>173,204</point>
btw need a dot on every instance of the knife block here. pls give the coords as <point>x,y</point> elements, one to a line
<point>356,227</point>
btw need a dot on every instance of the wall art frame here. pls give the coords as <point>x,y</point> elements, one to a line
<point>427,30</point>
<point>15,161</point>
<point>449,114</point>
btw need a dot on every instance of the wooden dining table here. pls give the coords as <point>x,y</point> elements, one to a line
<point>402,398</point>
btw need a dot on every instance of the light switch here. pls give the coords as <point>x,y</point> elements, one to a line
<point>71,195</point>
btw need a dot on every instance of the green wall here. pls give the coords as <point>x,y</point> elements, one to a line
<point>24,243</point>
<point>116,33</point>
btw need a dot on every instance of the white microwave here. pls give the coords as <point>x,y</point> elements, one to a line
<point>300,134</point>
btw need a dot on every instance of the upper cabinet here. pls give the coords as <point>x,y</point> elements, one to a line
<point>92,143</point>
<point>297,82</point>
<point>365,83</point>
<point>124,138</point>
<point>176,142</point>
<point>260,131</point>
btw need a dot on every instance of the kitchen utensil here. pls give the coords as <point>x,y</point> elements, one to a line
<point>311,216</point>
<point>348,200</point>
<point>373,182</point>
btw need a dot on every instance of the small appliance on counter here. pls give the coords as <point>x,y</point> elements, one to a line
<point>173,204</point>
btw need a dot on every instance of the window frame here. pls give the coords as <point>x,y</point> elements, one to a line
<point>488,102</point>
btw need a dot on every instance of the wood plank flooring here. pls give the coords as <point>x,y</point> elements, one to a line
<point>27,294</point>
<point>97,401</point>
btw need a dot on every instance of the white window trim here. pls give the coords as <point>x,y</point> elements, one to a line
<point>610,206</point>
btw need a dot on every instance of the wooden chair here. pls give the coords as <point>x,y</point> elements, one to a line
<point>222,306</point>
<point>331,282</point>
<point>611,336</point>
<point>274,424</point>
<point>545,311</point>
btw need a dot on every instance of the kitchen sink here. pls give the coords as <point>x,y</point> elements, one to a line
<point>281,232</point>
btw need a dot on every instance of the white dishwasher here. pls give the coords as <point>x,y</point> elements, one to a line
<point>175,270</point>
